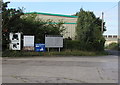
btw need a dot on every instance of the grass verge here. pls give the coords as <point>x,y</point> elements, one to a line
<point>53,53</point>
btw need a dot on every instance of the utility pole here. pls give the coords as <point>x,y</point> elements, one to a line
<point>102,26</point>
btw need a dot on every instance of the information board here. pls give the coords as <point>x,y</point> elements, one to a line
<point>28,43</point>
<point>15,41</point>
<point>54,41</point>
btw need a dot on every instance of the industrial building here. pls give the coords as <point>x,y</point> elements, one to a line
<point>111,39</point>
<point>70,25</point>
<point>69,22</point>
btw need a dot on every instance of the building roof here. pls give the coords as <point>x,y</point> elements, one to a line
<point>52,14</point>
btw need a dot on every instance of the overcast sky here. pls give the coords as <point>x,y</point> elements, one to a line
<point>110,9</point>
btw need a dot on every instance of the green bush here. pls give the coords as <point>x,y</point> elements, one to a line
<point>71,45</point>
<point>112,46</point>
<point>79,45</point>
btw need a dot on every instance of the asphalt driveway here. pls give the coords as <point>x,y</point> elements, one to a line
<point>73,69</point>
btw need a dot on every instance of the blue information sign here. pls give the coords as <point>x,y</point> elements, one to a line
<point>39,47</point>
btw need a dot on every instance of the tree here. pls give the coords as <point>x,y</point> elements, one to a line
<point>88,31</point>
<point>10,22</point>
<point>39,28</point>
<point>16,21</point>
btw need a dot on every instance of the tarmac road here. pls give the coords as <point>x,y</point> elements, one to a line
<point>113,52</point>
<point>86,69</point>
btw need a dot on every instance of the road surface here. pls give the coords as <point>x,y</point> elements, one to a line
<point>113,52</point>
<point>73,69</point>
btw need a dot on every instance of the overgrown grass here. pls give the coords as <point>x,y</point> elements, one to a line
<point>52,53</point>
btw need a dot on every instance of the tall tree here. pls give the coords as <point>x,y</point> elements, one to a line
<point>16,21</point>
<point>88,31</point>
<point>35,26</point>
<point>10,22</point>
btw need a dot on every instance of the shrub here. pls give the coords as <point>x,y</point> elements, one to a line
<point>71,45</point>
<point>8,53</point>
<point>79,45</point>
<point>112,46</point>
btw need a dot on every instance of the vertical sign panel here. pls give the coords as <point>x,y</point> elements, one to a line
<point>28,43</point>
<point>15,41</point>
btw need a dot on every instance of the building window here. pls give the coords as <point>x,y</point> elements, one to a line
<point>109,36</point>
<point>115,36</point>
